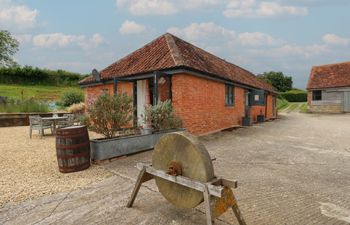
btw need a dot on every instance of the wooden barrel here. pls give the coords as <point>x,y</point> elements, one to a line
<point>73,149</point>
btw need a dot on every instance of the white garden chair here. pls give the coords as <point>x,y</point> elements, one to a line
<point>68,122</point>
<point>36,123</point>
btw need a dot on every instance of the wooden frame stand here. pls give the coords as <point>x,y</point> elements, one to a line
<point>218,196</point>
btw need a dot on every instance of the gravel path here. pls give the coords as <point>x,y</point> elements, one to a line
<point>29,167</point>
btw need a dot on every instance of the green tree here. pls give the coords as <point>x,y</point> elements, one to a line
<point>277,79</point>
<point>8,47</point>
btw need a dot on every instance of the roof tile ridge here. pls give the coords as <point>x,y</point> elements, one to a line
<point>174,50</point>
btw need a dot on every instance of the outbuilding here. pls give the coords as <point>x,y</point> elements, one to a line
<point>329,88</point>
<point>207,92</point>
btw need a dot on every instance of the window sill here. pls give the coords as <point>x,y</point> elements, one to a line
<point>226,105</point>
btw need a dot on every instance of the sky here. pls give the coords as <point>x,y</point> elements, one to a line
<point>289,36</point>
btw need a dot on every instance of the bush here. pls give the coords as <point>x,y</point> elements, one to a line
<point>77,108</point>
<point>29,105</point>
<point>28,75</point>
<point>84,120</point>
<point>71,97</point>
<point>161,116</point>
<point>109,114</point>
<point>295,96</point>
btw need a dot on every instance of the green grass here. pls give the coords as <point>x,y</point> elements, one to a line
<point>38,92</point>
<point>303,108</point>
<point>293,106</point>
<point>282,103</point>
<point>29,105</point>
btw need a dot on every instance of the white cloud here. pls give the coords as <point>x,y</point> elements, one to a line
<point>148,7</point>
<point>333,39</point>
<point>257,8</point>
<point>131,27</point>
<point>257,39</point>
<point>202,31</point>
<point>164,7</point>
<point>63,40</point>
<point>14,15</point>
<point>195,4</point>
<point>291,50</point>
<point>23,38</point>
<point>211,32</point>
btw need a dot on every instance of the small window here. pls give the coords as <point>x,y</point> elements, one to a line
<point>317,95</point>
<point>229,95</point>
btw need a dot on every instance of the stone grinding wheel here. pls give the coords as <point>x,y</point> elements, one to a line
<point>194,161</point>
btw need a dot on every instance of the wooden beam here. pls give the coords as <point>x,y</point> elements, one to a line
<point>115,82</point>
<point>184,181</point>
<point>135,102</point>
<point>155,88</point>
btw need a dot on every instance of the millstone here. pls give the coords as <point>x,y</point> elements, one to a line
<point>182,149</point>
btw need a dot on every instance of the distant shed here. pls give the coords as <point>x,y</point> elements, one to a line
<point>329,88</point>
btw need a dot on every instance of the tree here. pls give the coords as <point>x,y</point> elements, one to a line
<point>8,47</point>
<point>280,81</point>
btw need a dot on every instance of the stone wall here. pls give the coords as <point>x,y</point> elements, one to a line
<point>325,108</point>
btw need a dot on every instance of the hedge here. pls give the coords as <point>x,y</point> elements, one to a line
<point>295,96</point>
<point>28,75</point>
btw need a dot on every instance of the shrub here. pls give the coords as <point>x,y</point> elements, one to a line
<point>84,120</point>
<point>28,105</point>
<point>162,116</point>
<point>71,97</point>
<point>109,114</point>
<point>28,75</point>
<point>77,108</point>
<point>295,96</point>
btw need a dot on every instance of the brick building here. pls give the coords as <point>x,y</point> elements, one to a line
<point>329,88</point>
<point>208,93</point>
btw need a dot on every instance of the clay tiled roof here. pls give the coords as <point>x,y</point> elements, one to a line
<point>330,76</point>
<point>167,52</point>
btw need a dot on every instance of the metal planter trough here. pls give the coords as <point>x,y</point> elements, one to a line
<point>102,149</point>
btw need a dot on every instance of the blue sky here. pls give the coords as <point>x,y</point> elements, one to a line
<point>258,35</point>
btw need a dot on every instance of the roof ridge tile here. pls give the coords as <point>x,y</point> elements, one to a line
<point>174,50</point>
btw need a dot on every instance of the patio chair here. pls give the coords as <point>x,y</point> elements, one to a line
<point>68,122</point>
<point>36,123</point>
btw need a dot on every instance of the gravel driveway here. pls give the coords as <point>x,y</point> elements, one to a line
<point>294,170</point>
<point>29,169</point>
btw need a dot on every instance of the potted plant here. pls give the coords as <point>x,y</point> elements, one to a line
<point>162,116</point>
<point>110,114</point>
<point>146,127</point>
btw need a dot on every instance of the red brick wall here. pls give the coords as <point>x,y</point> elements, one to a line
<point>91,93</point>
<point>255,111</point>
<point>201,104</point>
<point>270,113</point>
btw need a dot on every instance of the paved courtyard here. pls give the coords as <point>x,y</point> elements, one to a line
<point>294,170</point>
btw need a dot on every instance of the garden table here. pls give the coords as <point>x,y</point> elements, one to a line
<point>54,119</point>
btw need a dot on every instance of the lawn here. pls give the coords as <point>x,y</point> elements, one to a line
<point>39,92</point>
<point>282,103</point>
